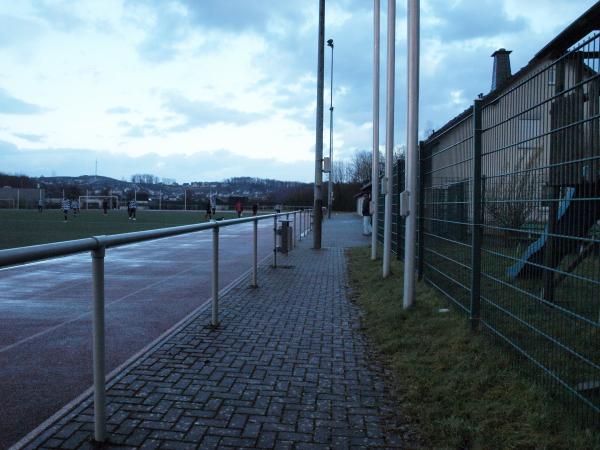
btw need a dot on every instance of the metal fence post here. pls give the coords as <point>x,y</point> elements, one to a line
<point>294,232</point>
<point>98,342</point>
<point>254,254</point>
<point>397,189</point>
<point>274,242</point>
<point>421,217</point>
<point>215,278</point>
<point>476,217</point>
<point>300,225</point>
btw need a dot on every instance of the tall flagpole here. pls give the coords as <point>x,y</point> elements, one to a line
<point>389,136</point>
<point>412,152</point>
<point>375,156</point>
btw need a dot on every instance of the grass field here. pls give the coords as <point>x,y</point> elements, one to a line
<point>461,389</point>
<point>19,228</point>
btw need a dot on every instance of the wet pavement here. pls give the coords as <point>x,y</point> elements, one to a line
<point>45,321</point>
<point>288,367</point>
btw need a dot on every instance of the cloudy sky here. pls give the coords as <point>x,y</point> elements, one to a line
<point>209,89</point>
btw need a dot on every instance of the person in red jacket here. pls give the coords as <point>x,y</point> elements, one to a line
<point>239,208</point>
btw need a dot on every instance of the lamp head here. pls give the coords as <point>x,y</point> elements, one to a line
<point>330,43</point>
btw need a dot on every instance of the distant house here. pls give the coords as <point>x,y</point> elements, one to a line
<point>360,197</point>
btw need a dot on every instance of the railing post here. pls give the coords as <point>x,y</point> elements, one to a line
<point>294,231</point>
<point>98,342</point>
<point>300,219</point>
<point>476,218</point>
<point>215,278</point>
<point>254,253</point>
<point>421,218</point>
<point>274,242</point>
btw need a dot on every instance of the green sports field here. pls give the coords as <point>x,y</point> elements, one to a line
<point>19,228</point>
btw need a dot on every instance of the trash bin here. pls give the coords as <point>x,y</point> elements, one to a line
<point>285,236</point>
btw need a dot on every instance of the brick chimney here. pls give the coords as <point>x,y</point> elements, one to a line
<point>501,67</point>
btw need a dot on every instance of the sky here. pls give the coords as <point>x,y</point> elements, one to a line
<point>202,90</point>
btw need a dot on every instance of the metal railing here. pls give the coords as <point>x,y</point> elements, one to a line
<point>97,245</point>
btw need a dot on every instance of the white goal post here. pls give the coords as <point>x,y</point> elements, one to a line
<point>86,200</point>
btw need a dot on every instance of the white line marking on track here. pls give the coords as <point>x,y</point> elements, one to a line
<point>80,316</point>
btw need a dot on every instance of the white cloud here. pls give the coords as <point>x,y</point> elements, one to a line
<point>134,77</point>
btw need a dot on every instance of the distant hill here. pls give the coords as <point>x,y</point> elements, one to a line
<point>252,188</point>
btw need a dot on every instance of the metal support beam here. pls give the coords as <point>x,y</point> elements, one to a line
<point>476,218</point>
<point>99,348</point>
<point>389,140</point>
<point>275,242</point>
<point>421,218</point>
<point>215,278</point>
<point>255,254</point>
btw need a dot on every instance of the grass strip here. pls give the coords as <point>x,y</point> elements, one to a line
<point>461,389</point>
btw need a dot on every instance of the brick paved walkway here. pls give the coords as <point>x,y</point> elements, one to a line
<point>287,368</point>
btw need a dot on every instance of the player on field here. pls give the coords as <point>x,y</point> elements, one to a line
<point>208,215</point>
<point>75,206</point>
<point>239,208</point>
<point>132,209</point>
<point>105,206</point>
<point>66,205</point>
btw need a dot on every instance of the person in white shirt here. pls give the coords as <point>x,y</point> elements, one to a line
<point>66,205</point>
<point>132,209</point>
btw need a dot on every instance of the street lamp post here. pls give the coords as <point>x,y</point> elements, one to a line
<point>318,193</point>
<point>330,187</point>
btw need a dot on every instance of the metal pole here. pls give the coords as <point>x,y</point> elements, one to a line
<point>215,278</point>
<point>185,199</point>
<point>375,155</point>
<point>18,197</point>
<point>476,218</point>
<point>98,342</point>
<point>294,231</point>
<point>330,185</point>
<point>255,253</point>
<point>389,140</point>
<point>274,242</point>
<point>301,230</point>
<point>421,201</point>
<point>318,200</point>
<point>412,152</point>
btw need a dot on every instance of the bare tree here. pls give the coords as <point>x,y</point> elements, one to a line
<point>360,166</point>
<point>505,207</point>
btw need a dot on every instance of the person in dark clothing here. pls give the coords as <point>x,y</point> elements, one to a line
<point>208,215</point>
<point>366,213</point>
<point>254,209</point>
<point>105,206</point>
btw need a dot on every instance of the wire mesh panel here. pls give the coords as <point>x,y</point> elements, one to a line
<point>397,222</point>
<point>527,267</point>
<point>540,258</point>
<point>398,230</point>
<point>446,175</point>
